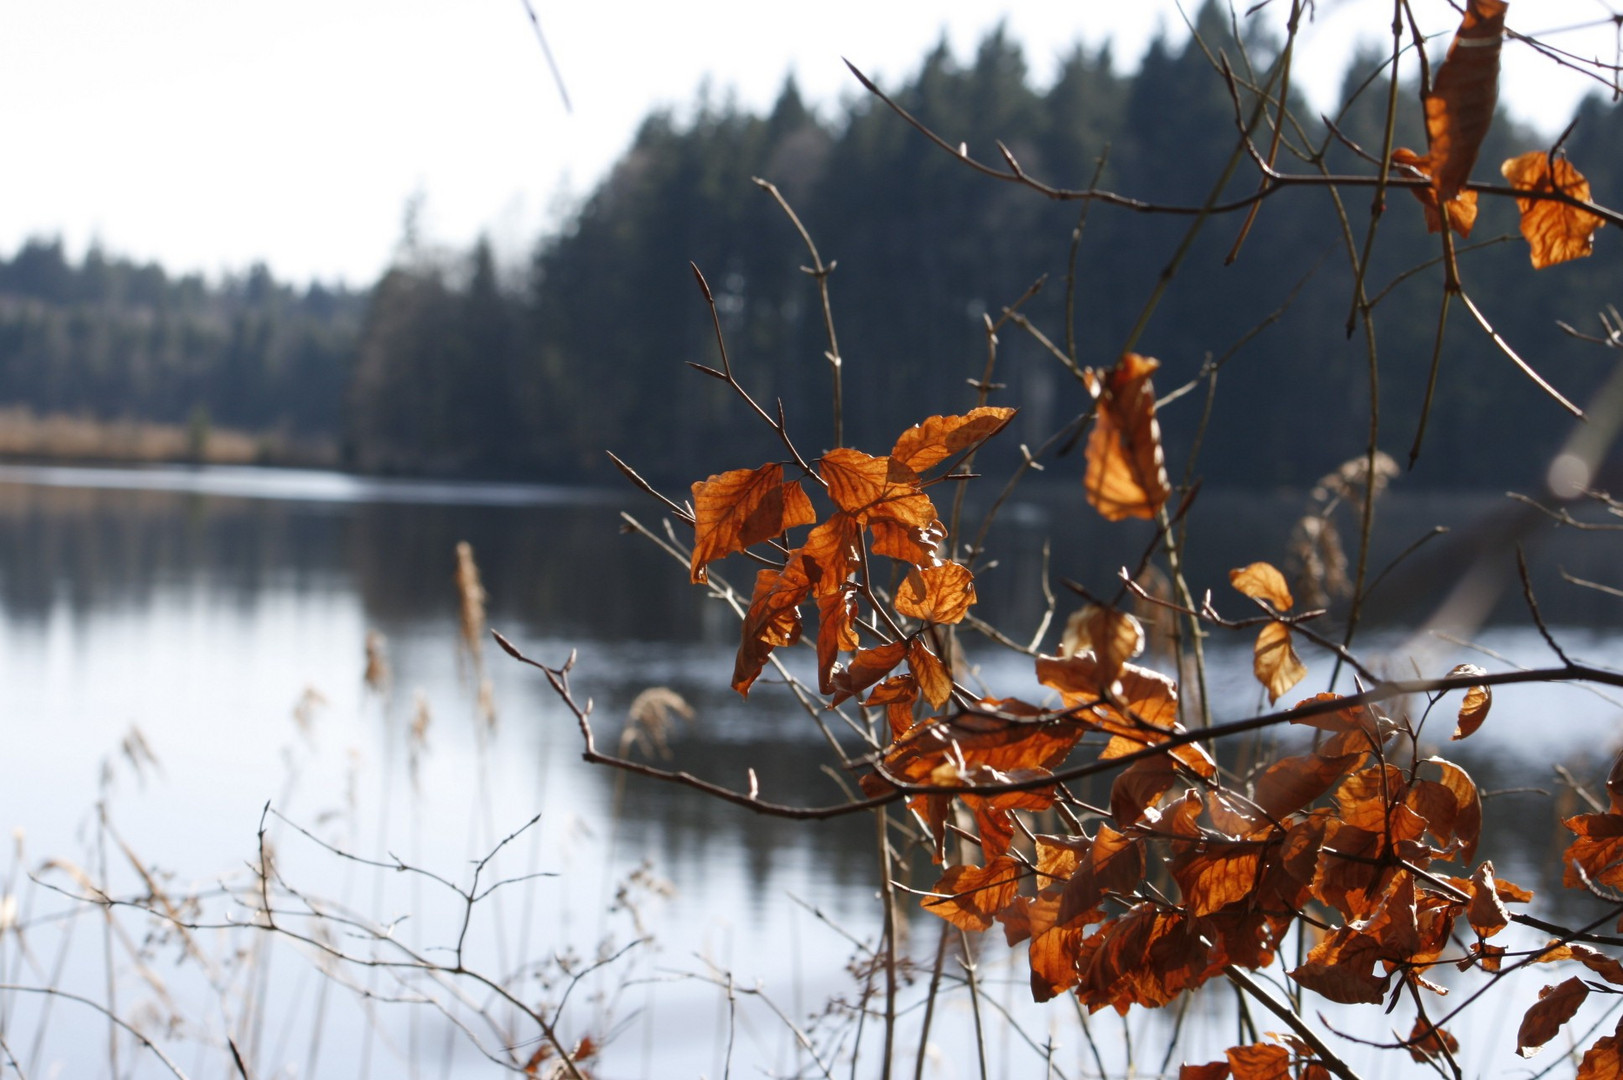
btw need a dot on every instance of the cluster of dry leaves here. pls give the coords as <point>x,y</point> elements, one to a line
<point>1191,872</point>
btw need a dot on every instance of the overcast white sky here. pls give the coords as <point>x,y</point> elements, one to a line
<point>211,133</point>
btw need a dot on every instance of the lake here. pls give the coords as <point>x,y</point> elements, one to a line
<point>180,648</point>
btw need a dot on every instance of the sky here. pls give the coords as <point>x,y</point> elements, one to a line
<point>210,134</point>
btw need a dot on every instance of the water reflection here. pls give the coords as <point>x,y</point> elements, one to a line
<point>199,608</point>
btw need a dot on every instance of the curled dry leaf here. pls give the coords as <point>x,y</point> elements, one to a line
<point>934,680</point>
<point>1604,1060</point>
<point>1486,913</point>
<point>1259,1061</point>
<point>1478,699</point>
<point>1555,1006</point>
<point>931,441</point>
<point>1274,661</point>
<point>1461,102</point>
<point>1461,208</point>
<point>1555,231</point>
<point>1126,473</point>
<point>1262,581</point>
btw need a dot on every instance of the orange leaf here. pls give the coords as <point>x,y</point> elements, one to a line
<point>937,594</point>
<point>867,667</point>
<point>1274,662</point>
<point>1260,1061</point>
<point>735,509</point>
<point>773,619</point>
<point>1126,474</point>
<point>1614,785</point>
<point>1139,787</point>
<point>1478,699</point>
<point>1461,208</point>
<point>868,487</point>
<point>1290,784</point>
<point>1115,637</point>
<point>831,553</point>
<point>897,695</point>
<point>836,633</point>
<point>1261,581</point>
<point>1604,1060</point>
<point>1556,231</point>
<point>1598,850</point>
<point>1339,968</point>
<point>1596,961</point>
<point>1555,1006</point>
<point>1459,108</point>
<point>1146,713</point>
<point>934,680</point>
<point>1213,879</point>
<point>1468,802</point>
<point>932,441</point>
<point>969,896</point>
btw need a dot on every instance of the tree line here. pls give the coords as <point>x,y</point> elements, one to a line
<point>447,367</point>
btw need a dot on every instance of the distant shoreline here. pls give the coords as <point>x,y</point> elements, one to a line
<point>27,437</point>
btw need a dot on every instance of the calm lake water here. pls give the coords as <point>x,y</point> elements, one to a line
<point>180,648</point>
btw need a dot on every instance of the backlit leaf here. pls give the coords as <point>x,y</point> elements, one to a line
<point>1604,1060</point>
<point>1478,699</point>
<point>773,620</point>
<point>1460,105</point>
<point>1614,784</point>
<point>1468,801</point>
<point>1598,962</point>
<point>932,441</point>
<point>1143,713</point>
<point>831,554</point>
<point>1556,231</point>
<point>935,681</point>
<point>1259,1061</point>
<point>1555,1006</point>
<point>1486,912</point>
<point>896,695</point>
<point>937,594</point>
<point>867,487</point>
<point>1274,662</point>
<point>1341,968</point>
<point>1261,581</point>
<point>1115,637</point>
<point>1461,208</point>
<point>1126,473</point>
<point>1598,850</point>
<point>1138,787</point>
<point>1212,1070</point>
<point>735,509</point>
<point>836,633</point>
<point>867,667</point>
<point>969,896</point>
<point>1290,784</point>
<point>1216,878</point>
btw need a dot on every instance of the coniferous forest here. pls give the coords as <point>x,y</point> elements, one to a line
<point>448,366</point>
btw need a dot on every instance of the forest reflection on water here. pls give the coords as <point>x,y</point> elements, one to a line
<point>200,607</point>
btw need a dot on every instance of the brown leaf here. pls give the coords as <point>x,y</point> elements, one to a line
<point>1212,1070</point>
<point>735,509</point>
<point>1144,711</point>
<point>832,553</point>
<point>1555,1006</point>
<point>1259,1061</point>
<point>1290,784</point>
<point>970,896</point>
<point>937,594</point>
<point>836,633</point>
<point>1139,787</point>
<point>1274,662</point>
<point>932,441</point>
<point>1261,581</point>
<point>1478,699</point>
<point>1556,231</point>
<point>867,667</point>
<point>1213,879</point>
<point>1460,105</point>
<point>1468,801</point>
<point>1461,208</point>
<point>897,695</point>
<point>867,487</point>
<point>1340,968</point>
<point>1126,474</point>
<point>1426,1041</point>
<point>1614,785</point>
<point>1598,850</point>
<point>1596,961</point>
<point>934,680</point>
<point>773,620</point>
<point>1114,637</point>
<point>1604,1060</point>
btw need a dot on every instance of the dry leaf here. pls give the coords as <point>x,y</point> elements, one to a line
<point>937,594</point>
<point>1556,231</point>
<point>1261,581</point>
<point>1478,699</point>
<point>1126,474</point>
<point>1555,1006</point>
<point>1274,662</point>
<point>932,441</point>
<point>969,896</point>
<point>1428,1042</point>
<point>743,507</point>
<point>1461,208</point>
<point>1459,108</point>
